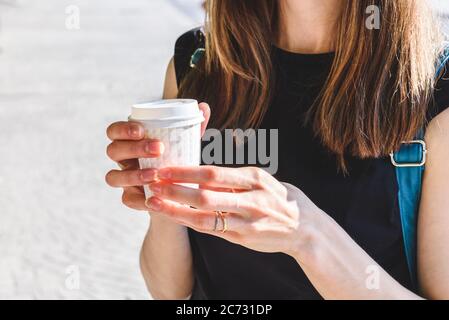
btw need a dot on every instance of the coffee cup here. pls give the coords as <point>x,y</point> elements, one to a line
<point>177,124</point>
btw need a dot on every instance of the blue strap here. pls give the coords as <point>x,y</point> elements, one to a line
<point>443,61</point>
<point>410,184</point>
<point>409,193</point>
<point>196,57</point>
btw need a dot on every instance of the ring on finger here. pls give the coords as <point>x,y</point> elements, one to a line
<point>216,220</point>
<point>222,217</point>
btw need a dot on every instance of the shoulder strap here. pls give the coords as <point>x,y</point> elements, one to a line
<point>443,60</point>
<point>186,46</point>
<point>200,49</point>
<point>409,161</point>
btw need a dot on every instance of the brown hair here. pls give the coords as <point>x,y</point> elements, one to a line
<point>376,95</point>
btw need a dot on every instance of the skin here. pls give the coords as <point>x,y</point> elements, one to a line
<point>165,258</point>
<point>270,216</point>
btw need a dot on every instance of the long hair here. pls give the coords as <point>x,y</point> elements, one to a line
<point>377,92</point>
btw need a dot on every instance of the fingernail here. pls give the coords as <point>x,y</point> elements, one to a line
<point>164,174</point>
<point>148,175</point>
<point>135,131</point>
<point>153,204</point>
<point>152,147</point>
<point>156,189</point>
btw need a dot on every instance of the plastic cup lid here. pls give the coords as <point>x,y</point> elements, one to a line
<point>167,113</point>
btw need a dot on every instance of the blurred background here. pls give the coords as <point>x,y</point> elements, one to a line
<point>63,232</point>
<point>67,70</point>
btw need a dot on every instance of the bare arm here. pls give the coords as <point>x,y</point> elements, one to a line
<point>433,235</point>
<point>340,269</point>
<point>166,259</point>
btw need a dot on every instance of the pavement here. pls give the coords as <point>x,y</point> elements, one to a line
<point>63,233</point>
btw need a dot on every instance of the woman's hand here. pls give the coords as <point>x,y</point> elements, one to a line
<point>129,144</point>
<point>261,213</point>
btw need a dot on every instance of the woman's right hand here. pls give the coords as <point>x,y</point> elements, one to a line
<point>128,144</point>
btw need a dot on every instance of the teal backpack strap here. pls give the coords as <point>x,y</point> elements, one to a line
<point>196,57</point>
<point>199,53</point>
<point>443,60</point>
<point>409,161</point>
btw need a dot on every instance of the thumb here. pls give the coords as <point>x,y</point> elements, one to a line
<point>204,107</point>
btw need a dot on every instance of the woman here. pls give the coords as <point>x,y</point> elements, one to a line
<point>343,94</point>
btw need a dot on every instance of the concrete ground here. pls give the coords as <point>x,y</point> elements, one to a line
<point>59,89</point>
<point>63,233</point>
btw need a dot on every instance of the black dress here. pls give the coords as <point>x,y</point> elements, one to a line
<point>364,202</point>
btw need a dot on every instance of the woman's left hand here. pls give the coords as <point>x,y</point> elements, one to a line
<point>261,213</point>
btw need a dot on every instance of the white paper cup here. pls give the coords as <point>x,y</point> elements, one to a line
<point>177,124</point>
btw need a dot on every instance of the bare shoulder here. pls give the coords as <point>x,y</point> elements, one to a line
<point>170,85</point>
<point>437,134</point>
<point>433,238</point>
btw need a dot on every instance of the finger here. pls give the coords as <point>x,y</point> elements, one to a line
<point>204,107</point>
<point>220,177</point>
<point>200,220</point>
<point>124,150</point>
<point>130,178</point>
<point>202,199</point>
<point>125,130</point>
<point>221,189</point>
<point>218,189</point>
<point>134,198</point>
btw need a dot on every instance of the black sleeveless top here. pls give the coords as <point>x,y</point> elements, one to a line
<point>364,202</point>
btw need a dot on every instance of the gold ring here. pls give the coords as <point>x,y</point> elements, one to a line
<point>224,222</point>
<point>216,221</point>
